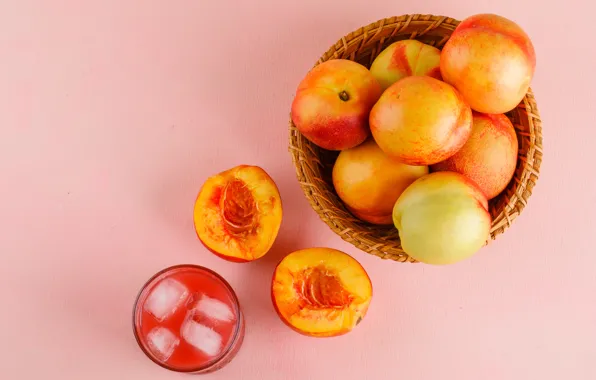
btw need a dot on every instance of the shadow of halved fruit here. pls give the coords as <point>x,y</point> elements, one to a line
<point>321,292</point>
<point>238,213</point>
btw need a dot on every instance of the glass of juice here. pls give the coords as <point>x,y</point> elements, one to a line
<point>187,318</point>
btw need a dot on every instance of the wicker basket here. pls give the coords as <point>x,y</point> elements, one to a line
<point>314,165</point>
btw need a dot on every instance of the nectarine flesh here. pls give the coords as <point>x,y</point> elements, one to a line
<point>321,292</point>
<point>238,213</point>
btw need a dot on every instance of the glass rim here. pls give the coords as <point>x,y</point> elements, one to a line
<point>236,305</point>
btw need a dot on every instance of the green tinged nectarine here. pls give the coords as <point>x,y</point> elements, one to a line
<point>442,218</point>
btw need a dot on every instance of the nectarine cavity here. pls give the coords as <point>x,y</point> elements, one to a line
<point>489,157</point>
<point>491,61</point>
<point>238,213</point>
<point>369,182</point>
<point>442,218</point>
<point>321,292</point>
<point>405,58</point>
<point>420,120</point>
<point>332,104</point>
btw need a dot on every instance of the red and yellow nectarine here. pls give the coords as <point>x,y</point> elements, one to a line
<point>489,157</point>
<point>332,104</point>
<point>420,120</point>
<point>404,58</point>
<point>238,213</point>
<point>491,61</point>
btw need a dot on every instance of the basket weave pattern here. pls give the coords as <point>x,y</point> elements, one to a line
<point>314,165</point>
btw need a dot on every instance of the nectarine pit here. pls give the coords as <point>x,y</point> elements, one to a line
<point>320,288</point>
<point>238,208</point>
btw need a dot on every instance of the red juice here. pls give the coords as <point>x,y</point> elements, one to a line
<point>187,319</point>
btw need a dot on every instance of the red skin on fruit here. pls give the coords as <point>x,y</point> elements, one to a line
<point>332,104</point>
<point>405,58</point>
<point>491,61</point>
<point>489,157</point>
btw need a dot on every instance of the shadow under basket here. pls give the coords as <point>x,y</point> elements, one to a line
<point>314,165</point>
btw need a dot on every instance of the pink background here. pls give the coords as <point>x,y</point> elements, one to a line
<point>113,113</point>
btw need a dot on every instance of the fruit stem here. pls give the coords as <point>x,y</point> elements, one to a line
<point>344,96</point>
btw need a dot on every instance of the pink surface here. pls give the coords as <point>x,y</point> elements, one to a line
<point>113,113</point>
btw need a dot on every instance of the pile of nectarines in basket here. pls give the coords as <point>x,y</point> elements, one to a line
<point>422,143</point>
<point>422,135</point>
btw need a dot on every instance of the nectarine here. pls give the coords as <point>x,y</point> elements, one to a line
<point>491,61</point>
<point>320,292</point>
<point>420,120</point>
<point>238,213</point>
<point>369,182</point>
<point>332,104</point>
<point>489,157</point>
<point>442,218</point>
<point>404,58</point>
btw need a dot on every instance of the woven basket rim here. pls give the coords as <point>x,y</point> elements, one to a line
<point>333,213</point>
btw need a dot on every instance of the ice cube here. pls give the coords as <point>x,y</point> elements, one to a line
<point>162,342</point>
<point>214,309</point>
<point>165,298</point>
<point>201,337</point>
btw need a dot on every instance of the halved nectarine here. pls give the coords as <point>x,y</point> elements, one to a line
<point>321,292</point>
<point>238,213</point>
